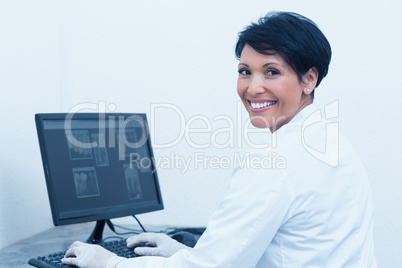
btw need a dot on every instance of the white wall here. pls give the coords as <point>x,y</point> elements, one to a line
<point>29,83</point>
<point>57,54</point>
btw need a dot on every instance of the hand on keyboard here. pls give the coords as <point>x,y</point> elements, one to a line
<point>85,255</point>
<point>156,244</point>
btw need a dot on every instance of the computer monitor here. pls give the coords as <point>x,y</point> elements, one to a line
<point>97,166</point>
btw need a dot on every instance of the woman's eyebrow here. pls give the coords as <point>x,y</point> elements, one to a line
<point>269,63</point>
<point>265,65</point>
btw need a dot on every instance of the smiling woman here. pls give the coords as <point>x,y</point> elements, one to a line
<point>297,39</point>
<point>283,59</point>
<point>309,213</point>
<point>270,88</point>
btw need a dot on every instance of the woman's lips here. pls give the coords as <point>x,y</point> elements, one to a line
<point>258,106</point>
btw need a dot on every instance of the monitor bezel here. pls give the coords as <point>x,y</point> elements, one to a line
<point>121,212</point>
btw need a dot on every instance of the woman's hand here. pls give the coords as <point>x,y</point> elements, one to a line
<point>156,244</point>
<point>87,256</point>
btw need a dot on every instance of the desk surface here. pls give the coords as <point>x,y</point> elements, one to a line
<point>53,240</point>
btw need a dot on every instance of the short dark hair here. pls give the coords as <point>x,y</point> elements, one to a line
<point>297,39</point>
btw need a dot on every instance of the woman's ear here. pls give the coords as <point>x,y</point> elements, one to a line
<point>310,80</point>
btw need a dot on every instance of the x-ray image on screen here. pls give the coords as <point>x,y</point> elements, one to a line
<point>76,151</point>
<point>132,182</point>
<point>100,151</point>
<point>135,149</point>
<point>145,161</point>
<point>127,141</point>
<point>86,182</point>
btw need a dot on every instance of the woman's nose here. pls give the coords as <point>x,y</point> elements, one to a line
<point>256,85</point>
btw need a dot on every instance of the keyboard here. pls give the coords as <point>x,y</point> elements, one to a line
<point>54,260</point>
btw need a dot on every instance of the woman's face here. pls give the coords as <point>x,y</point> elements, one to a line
<point>270,89</point>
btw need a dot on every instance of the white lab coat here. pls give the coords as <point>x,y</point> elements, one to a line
<point>306,214</point>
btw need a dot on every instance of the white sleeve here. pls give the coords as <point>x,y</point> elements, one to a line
<point>255,206</point>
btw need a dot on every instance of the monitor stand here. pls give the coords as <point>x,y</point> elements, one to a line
<point>97,233</point>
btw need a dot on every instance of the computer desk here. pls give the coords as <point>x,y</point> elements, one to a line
<point>53,240</point>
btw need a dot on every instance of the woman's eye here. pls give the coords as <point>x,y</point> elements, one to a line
<point>243,72</point>
<point>272,72</point>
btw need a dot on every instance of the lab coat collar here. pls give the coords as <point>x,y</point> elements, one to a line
<point>300,117</point>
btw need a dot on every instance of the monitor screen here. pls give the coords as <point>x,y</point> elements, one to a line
<point>97,166</point>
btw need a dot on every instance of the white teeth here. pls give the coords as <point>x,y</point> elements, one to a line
<point>261,105</point>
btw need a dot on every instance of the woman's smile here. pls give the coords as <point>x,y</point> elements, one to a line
<point>260,105</point>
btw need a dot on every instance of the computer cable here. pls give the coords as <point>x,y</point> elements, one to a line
<point>112,227</point>
<point>142,227</point>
